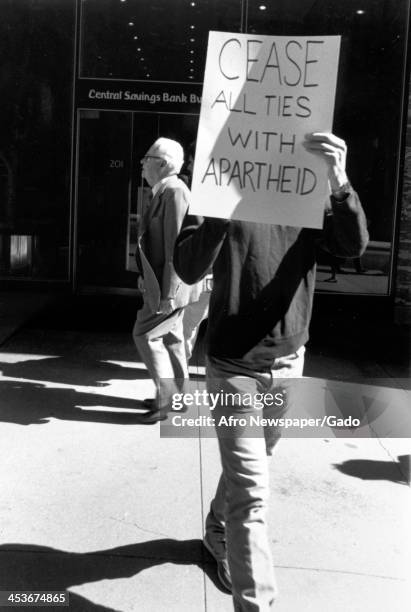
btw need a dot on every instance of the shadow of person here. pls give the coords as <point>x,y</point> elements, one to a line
<point>368,469</point>
<point>27,403</point>
<point>40,568</point>
<point>70,371</point>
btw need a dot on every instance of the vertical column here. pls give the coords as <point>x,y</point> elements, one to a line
<point>403,271</point>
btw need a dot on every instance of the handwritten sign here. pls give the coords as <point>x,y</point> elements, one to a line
<point>261,96</point>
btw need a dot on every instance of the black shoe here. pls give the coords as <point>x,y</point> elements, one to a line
<point>218,552</point>
<point>154,416</point>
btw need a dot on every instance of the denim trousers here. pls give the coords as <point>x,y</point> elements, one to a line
<point>238,511</point>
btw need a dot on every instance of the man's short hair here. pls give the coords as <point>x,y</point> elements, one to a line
<point>171,151</point>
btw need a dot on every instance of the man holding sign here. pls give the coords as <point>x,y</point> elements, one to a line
<point>260,306</point>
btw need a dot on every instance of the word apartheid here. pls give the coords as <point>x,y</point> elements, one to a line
<point>259,175</point>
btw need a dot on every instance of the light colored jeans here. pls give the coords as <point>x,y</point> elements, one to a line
<point>238,511</point>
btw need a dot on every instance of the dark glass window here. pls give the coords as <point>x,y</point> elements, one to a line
<point>111,193</point>
<point>367,110</point>
<point>160,40</point>
<point>36,54</point>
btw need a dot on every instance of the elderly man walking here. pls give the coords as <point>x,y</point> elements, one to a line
<point>158,331</point>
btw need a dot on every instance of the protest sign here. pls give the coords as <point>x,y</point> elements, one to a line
<point>261,96</point>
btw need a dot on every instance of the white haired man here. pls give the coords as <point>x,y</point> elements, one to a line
<point>158,331</point>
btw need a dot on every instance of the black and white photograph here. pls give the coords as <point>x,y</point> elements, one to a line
<point>205,305</point>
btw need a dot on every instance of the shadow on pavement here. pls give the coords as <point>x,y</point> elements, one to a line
<point>27,403</point>
<point>367,469</point>
<point>70,371</point>
<point>39,568</point>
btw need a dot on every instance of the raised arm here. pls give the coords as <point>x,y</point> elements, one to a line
<point>345,227</point>
<point>197,246</point>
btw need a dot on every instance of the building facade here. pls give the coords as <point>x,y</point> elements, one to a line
<point>87,85</point>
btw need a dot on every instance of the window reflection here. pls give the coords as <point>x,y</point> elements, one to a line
<point>157,40</point>
<point>112,195</point>
<point>367,111</point>
<point>36,52</point>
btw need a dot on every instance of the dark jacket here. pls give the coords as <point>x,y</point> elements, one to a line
<point>264,277</point>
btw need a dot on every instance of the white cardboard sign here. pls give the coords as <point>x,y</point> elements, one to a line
<point>261,96</point>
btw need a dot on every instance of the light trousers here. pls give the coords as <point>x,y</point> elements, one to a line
<point>238,511</point>
<point>162,349</point>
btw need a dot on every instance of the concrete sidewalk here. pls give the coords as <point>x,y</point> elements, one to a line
<point>97,504</point>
